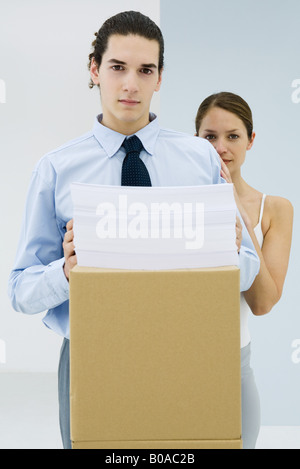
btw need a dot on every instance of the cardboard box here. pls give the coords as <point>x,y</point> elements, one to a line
<point>155,358</point>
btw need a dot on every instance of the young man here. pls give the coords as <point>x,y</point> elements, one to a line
<point>126,65</point>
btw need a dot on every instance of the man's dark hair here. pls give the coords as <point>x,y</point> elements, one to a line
<point>125,23</point>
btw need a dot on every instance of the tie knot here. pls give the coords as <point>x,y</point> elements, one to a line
<point>132,144</point>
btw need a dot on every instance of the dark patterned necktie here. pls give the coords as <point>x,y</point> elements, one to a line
<point>134,171</point>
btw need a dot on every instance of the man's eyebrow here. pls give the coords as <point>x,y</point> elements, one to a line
<point>149,65</point>
<point>120,62</point>
<point>116,61</point>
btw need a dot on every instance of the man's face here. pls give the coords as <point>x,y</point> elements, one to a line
<point>128,76</point>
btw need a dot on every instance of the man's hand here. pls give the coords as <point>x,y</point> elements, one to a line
<point>238,231</point>
<point>69,249</point>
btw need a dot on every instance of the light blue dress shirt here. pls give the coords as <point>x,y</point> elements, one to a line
<point>37,282</point>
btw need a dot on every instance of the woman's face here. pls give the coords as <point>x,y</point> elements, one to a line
<point>228,134</point>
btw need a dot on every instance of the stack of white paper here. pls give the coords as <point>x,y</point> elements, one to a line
<point>154,228</point>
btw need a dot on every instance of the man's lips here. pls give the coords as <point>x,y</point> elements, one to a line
<point>129,102</point>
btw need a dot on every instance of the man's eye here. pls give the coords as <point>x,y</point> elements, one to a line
<point>146,71</point>
<point>117,67</point>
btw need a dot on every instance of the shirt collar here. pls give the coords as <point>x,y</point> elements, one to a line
<point>111,141</point>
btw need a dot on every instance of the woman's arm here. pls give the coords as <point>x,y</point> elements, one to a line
<point>267,287</point>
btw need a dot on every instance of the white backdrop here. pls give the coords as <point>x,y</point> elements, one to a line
<point>251,48</point>
<point>44,102</point>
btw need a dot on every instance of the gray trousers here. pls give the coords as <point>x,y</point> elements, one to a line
<point>250,399</point>
<point>64,394</point>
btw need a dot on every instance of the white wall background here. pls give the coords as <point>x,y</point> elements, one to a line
<point>251,48</point>
<point>44,102</point>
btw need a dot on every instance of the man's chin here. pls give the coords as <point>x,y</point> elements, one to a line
<point>126,122</point>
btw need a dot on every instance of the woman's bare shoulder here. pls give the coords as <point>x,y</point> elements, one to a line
<point>278,211</point>
<point>276,203</point>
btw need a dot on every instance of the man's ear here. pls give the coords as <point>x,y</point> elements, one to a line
<point>159,81</point>
<point>94,71</point>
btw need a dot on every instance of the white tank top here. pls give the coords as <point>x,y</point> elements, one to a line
<point>245,310</point>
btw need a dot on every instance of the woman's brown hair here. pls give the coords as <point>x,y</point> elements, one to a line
<point>230,102</point>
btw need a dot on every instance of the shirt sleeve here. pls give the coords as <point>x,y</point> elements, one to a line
<point>37,281</point>
<point>248,257</point>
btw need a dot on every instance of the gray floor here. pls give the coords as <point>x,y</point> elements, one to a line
<point>29,416</point>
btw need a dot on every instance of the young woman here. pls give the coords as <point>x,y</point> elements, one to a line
<point>225,119</point>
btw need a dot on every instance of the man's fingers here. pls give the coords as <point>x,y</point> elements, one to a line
<point>68,244</point>
<point>69,264</point>
<point>69,235</point>
<point>72,261</point>
<point>69,250</point>
<point>70,225</point>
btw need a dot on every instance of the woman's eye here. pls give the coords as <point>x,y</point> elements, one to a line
<point>233,136</point>
<point>209,137</point>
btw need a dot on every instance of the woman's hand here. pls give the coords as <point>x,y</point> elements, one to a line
<point>225,173</point>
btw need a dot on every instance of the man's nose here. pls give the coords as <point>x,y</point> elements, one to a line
<point>131,83</point>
